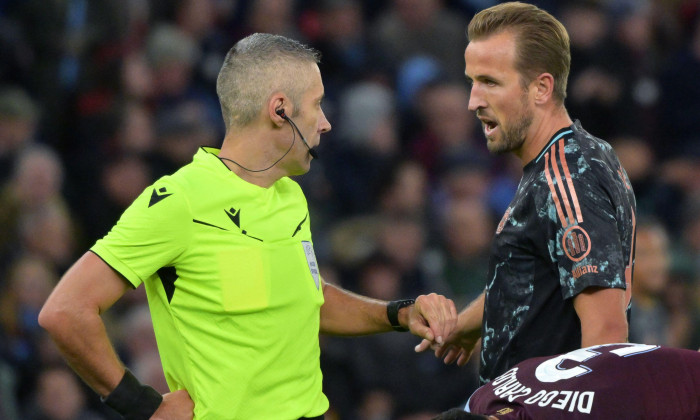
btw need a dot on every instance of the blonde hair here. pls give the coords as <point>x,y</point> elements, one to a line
<point>541,41</point>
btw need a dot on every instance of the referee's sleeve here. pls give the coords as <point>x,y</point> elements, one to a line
<point>150,234</point>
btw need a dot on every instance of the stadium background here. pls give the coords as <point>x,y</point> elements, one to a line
<point>100,98</point>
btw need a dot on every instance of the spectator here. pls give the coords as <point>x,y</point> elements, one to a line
<point>680,98</point>
<point>342,40</point>
<point>449,130</point>
<point>594,83</point>
<point>657,196</point>
<point>59,396</point>
<point>420,27</point>
<point>367,143</point>
<point>651,321</point>
<point>29,282</point>
<point>19,117</point>
<point>466,232</point>
<point>33,194</point>
<point>121,180</point>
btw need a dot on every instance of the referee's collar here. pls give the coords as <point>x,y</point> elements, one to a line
<point>207,155</point>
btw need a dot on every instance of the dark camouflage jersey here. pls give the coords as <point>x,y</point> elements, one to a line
<point>613,381</point>
<point>570,226</point>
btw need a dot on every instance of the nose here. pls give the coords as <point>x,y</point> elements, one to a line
<point>325,125</point>
<point>476,101</point>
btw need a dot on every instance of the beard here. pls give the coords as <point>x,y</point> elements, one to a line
<point>512,135</point>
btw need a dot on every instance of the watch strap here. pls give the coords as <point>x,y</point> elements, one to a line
<point>392,312</point>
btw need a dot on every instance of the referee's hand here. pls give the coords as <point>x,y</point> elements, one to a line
<point>176,405</point>
<point>433,317</point>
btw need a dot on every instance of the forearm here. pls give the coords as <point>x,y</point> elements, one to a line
<point>346,313</point>
<point>470,319</point>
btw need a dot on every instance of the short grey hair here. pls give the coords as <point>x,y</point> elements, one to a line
<point>256,67</point>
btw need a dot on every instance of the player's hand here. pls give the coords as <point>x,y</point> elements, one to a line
<point>457,346</point>
<point>433,317</point>
<point>176,405</point>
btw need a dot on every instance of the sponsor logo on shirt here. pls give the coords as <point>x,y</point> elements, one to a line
<point>584,269</point>
<point>576,243</point>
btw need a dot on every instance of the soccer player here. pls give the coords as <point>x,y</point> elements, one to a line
<point>561,263</point>
<point>609,381</point>
<point>224,249</point>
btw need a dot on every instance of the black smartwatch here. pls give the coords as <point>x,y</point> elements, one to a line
<point>392,312</point>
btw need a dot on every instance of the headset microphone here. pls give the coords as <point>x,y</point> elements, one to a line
<point>312,152</point>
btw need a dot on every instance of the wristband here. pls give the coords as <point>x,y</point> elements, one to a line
<point>132,399</point>
<point>392,312</point>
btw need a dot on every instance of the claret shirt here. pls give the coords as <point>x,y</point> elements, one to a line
<point>610,381</point>
<point>233,288</point>
<point>570,226</point>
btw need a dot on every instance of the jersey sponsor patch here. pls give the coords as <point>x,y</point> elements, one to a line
<point>576,243</point>
<point>311,260</point>
<point>580,270</point>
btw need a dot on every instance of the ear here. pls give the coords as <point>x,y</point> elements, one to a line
<point>276,102</point>
<point>544,88</point>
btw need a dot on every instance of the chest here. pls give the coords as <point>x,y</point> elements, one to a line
<point>248,255</point>
<point>525,226</point>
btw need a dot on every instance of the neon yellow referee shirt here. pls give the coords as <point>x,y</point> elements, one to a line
<point>233,287</point>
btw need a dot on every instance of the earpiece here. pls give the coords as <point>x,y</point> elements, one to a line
<point>281,113</point>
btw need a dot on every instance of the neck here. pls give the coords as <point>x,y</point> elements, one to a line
<point>244,156</point>
<point>541,131</point>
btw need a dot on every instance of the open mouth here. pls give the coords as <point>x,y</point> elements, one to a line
<point>489,126</point>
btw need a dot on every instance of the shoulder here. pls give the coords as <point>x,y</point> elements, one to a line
<point>163,203</point>
<point>596,152</point>
<point>581,159</point>
<point>198,181</point>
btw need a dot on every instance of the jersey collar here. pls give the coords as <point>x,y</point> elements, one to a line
<point>559,134</point>
<point>209,156</point>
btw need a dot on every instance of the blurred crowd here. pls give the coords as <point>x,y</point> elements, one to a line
<point>100,98</point>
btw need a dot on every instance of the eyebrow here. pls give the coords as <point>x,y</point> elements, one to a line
<point>482,77</point>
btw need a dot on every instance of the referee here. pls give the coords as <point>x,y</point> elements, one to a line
<point>224,250</point>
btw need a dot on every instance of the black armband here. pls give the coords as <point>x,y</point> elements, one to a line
<point>132,399</point>
<point>392,312</point>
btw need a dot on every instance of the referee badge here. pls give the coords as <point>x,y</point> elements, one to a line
<point>311,260</point>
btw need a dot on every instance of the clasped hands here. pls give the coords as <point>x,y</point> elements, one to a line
<point>435,319</point>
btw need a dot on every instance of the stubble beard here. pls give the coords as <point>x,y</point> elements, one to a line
<point>512,137</point>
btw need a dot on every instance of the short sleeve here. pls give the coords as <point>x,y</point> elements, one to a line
<point>150,234</point>
<point>585,240</point>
